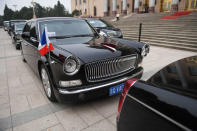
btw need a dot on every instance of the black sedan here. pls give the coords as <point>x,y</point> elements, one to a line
<point>11,25</point>
<point>166,102</point>
<point>17,32</point>
<point>5,25</point>
<point>104,28</point>
<point>83,64</point>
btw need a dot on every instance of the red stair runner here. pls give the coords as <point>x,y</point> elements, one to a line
<point>176,15</point>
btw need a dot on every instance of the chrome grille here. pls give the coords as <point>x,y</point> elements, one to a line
<point>110,68</point>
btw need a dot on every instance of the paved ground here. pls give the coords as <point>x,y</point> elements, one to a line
<point>24,107</point>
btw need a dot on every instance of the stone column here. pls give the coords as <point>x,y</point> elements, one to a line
<point>152,6</point>
<point>106,13</point>
<point>136,6</point>
<point>175,5</point>
<point>114,7</point>
<point>124,8</point>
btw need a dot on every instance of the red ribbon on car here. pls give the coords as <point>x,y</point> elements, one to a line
<point>112,47</point>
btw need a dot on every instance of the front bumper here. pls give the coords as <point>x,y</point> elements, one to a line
<point>100,89</point>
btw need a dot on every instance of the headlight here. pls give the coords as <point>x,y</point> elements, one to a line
<point>71,65</point>
<point>114,33</point>
<point>143,52</point>
<point>111,33</point>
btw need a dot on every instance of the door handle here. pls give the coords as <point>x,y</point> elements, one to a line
<point>33,39</point>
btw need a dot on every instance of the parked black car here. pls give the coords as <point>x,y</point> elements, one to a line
<point>104,28</point>
<point>11,25</point>
<point>83,63</point>
<point>17,32</point>
<point>5,25</point>
<point>165,102</point>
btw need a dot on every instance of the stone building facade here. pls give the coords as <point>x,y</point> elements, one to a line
<point>100,8</point>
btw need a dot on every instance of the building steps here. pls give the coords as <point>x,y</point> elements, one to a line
<point>178,33</point>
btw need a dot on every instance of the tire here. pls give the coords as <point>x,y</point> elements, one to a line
<point>23,58</point>
<point>17,46</point>
<point>47,84</point>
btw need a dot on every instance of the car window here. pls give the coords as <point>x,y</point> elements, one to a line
<point>33,30</point>
<point>180,76</point>
<point>66,27</point>
<point>26,31</point>
<point>27,27</point>
<point>99,23</point>
<point>19,27</point>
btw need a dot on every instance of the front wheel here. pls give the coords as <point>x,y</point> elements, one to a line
<point>47,84</point>
<point>17,46</point>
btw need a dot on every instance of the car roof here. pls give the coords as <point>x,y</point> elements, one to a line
<point>17,20</point>
<point>55,18</point>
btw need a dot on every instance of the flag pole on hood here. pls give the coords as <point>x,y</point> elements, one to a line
<point>45,46</point>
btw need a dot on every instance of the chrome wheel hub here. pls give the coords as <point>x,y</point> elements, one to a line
<point>45,82</point>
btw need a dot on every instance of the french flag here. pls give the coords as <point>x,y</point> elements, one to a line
<point>45,45</point>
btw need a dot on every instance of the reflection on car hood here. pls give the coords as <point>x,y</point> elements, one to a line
<point>89,49</point>
<point>108,28</point>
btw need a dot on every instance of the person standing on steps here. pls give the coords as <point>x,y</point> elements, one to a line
<point>117,17</point>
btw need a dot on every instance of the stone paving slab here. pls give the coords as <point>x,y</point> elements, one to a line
<point>24,106</point>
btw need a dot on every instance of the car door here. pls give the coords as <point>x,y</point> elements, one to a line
<point>25,41</point>
<point>33,46</point>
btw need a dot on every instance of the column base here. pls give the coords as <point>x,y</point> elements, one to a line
<point>175,8</point>
<point>124,12</point>
<point>106,14</point>
<point>136,10</point>
<point>151,9</point>
<point>114,13</point>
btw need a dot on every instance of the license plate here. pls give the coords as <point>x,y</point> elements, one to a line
<point>116,89</point>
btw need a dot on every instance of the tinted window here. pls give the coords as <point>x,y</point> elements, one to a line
<point>27,27</point>
<point>180,76</point>
<point>19,27</point>
<point>66,28</point>
<point>99,23</point>
<point>33,30</point>
<point>13,22</point>
<point>193,71</point>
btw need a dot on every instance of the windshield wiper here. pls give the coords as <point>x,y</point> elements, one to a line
<point>70,36</point>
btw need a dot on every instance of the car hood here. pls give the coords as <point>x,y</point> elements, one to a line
<point>89,49</point>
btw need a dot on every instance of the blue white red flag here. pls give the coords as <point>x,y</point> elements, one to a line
<point>45,45</point>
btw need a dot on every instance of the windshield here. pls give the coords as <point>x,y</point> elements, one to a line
<point>13,22</point>
<point>20,27</point>
<point>99,23</point>
<point>66,28</point>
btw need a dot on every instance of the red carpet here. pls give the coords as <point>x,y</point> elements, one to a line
<point>176,15</point>
<point>181,13</point>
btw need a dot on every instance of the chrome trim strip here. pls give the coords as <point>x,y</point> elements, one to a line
<point>160,114</point>
<point>63,91</point>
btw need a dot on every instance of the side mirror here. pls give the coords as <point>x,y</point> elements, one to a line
<point>98,30</point>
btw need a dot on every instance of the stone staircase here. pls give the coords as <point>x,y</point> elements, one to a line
<point>180,33</point>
